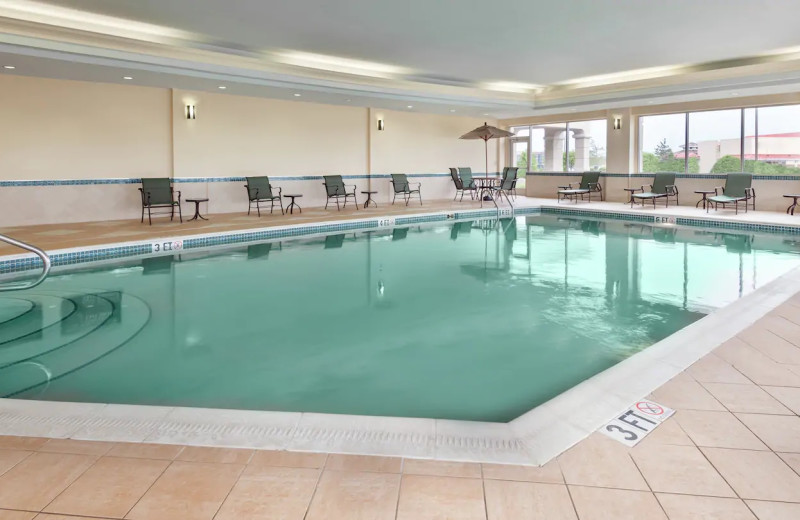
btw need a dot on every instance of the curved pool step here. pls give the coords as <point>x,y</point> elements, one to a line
<point>90,312</point>
<point>13,308</point>
<point>126,317</point>
<point>45,310</point>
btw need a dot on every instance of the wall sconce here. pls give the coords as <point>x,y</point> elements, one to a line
<point>617,123</point>
<point>381,126</point>
<point>191,112</point>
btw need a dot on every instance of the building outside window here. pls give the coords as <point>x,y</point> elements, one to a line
<point>759,140</point>
<point>558,147</point>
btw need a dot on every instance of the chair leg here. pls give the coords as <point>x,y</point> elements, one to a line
<point>419,194</point>
<point>280,202</point>
<point>180,213</point>
<point>142,221</point>
<point>149,216</point>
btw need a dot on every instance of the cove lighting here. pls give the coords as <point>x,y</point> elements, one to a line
<point>336,64</point>
<point>9,67</point>
<point>512,86</point>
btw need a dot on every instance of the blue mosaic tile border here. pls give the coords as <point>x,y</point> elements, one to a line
<point>138,249</point>
<point>180,180</point>
<point>680,221</point>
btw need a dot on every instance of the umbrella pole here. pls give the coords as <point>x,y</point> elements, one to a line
<point>486,153</point>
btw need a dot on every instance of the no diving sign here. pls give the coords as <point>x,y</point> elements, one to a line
<point>634,424</point>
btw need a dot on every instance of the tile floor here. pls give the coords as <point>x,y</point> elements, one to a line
<point>730,452</point>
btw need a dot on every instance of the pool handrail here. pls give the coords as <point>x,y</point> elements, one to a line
<point>46,264</point>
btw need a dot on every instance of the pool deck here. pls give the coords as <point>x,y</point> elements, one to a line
<point>731,451</point>
<point>62,236</point>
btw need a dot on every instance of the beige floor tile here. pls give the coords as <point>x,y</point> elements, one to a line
<point>48,516</point>
<point>527,500</point>
<point>788,311</point>
<point>10,458</point>
<point>109,488</point>
<point>273,493</point>
<point>718,430</point>
<point>779,432</point>
<point>685,394</point>
<point>289,459</point>
<point>21,443</point>
<point>680,469</point>
<point>792,459</point>
<point>187,490</point>
<point>615,504</point>
<point>757,366</point>
<point>76,447</point>
<point>6,514</point>
<point>783,327</point>
<point>757,475</point>
<point>600,461</point>
<point>550,473</point>
<point>215,455</point>
<point>440,468</point>
<point>746,398</point>
<point>683,507</point>
<point>34,482</point>
<point>337,462</point>
<point>713,369</point>
<point>440,498</point>
<point>347,495</point>
<point>788,396</point>
<point>774,510</point>
<point>669,432</point>
<point>771,344</point>
<point>135,450</point>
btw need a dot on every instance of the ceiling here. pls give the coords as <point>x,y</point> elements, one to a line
<point>509,58</point>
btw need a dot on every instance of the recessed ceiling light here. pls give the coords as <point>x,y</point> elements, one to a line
<point>410,106</point>
<point>452,110</point>
<point>347,100</point>
<point>486,114</point>
<point>734,93</point>
<point>127,77</point>
<point>9,67</point>
<point>297,95</point>
<point>222,87</point>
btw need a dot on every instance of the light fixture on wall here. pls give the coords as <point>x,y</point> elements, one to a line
<point>191,112</point>
<point>381,125</point>
<point>617,123</point>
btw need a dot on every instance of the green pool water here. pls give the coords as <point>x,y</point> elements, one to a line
<point>478,320</point>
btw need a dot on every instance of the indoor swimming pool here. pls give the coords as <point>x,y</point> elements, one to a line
<point>473,320</point>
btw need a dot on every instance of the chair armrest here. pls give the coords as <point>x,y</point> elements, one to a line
<point>717,189</point>
<point>179,197</point>
<point>280,192</point>
<point>417,183</point>
<point>644,186</point>
<point>593,185</point>
<point>750,192</point>
<point>672,189</point>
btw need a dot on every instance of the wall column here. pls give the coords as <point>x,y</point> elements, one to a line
<point>553,149</point>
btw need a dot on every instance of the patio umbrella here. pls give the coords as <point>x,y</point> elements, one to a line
<point>486,132</point>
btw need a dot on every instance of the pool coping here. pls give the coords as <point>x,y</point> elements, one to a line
<point>531,439</point>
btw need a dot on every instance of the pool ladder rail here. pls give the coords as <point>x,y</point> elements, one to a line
<point>46,264</point>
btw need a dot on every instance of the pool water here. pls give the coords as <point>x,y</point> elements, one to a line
<point>476,320</point>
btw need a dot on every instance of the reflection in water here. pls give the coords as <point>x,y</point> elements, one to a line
<point>478,320</point>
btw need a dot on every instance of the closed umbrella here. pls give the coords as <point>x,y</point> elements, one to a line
<point>486,132</point>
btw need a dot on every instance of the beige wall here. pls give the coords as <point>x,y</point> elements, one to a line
<point>54,129</point>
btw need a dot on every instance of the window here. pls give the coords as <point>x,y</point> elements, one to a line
<point>715,140</point>
<point>661,138</point>
<point>762,140</point>
<point>777,150</point>
<point>557,147</point>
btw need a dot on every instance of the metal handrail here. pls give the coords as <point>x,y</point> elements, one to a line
<point>33,249</point>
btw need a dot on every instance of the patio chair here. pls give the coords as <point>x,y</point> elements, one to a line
<point>403,188</point>
<point>738,188</point>
<point>158,193</point>
<point>461,187</point>
<point>663,187</point>
<point>590,183</point>
<point>259,190</point>
<point>336,189</point>
<point>506,185</point>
